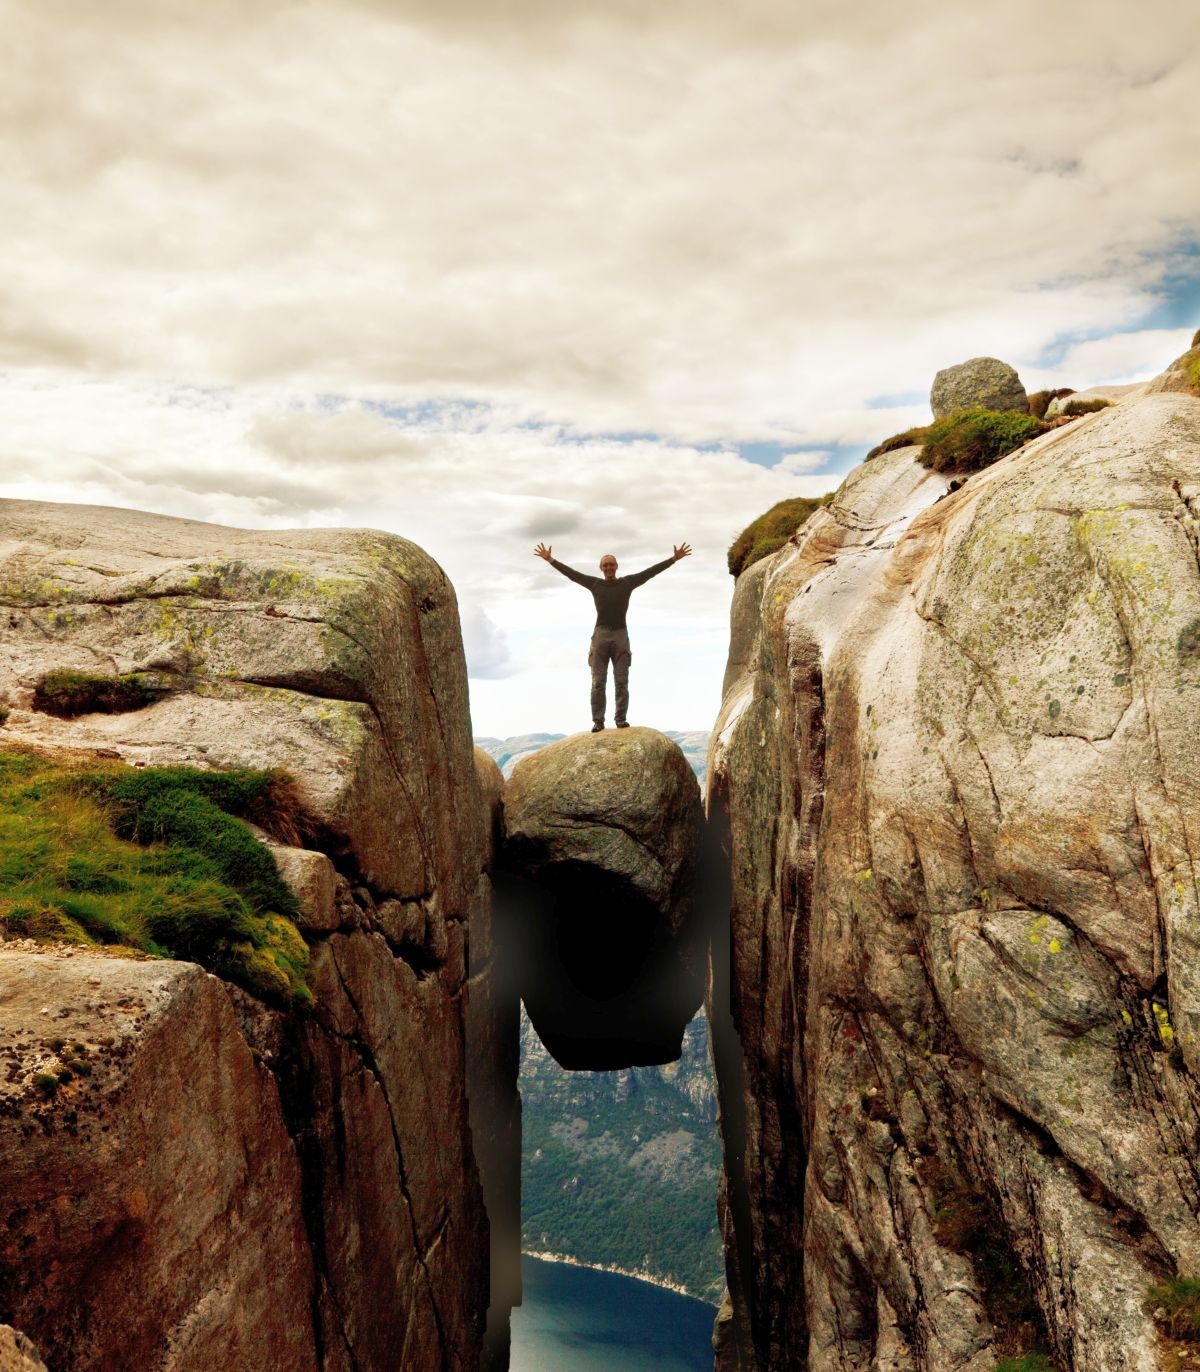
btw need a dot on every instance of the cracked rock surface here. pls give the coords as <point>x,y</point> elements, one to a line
<point>282,1189</point>
<point>956,760</point>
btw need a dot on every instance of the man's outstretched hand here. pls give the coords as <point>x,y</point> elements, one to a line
<point>542,551</point>
<point>684,550</point>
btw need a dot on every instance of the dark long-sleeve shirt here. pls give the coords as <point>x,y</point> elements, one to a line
<point>611,597</point>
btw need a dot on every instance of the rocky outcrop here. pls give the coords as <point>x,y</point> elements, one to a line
<point>955,760</point>
<point>604,832</point>
<point>17,1354</point>
<point>983,381</point>
<point>1112,394</point>
<point>164,1169</point>
<point>1182,376</point>
<point>348,1174</point>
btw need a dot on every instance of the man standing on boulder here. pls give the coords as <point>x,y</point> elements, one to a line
<point>610,638</point>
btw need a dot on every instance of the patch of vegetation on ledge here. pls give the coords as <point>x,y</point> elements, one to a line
<point>154,859</point>
<point>1074,408</point>
<point>70,694</point>
<point>771,531</point>
<point>910,438</point>
<point>1027,1362</point>
<point>1178,1299</point>
<point>970,440</point>
<point>1040,401</point>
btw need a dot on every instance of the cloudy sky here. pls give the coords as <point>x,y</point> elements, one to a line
<point>610,275</point>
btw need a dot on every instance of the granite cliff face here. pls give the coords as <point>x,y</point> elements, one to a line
<point>956,760</point>
<point>280,1187</point>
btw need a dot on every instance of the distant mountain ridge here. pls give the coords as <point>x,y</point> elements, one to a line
<point>507,752</point>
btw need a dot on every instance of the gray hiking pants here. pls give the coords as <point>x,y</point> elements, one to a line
<point>609,645</point>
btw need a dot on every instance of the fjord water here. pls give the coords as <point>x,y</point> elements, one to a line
<point>575,1319</point>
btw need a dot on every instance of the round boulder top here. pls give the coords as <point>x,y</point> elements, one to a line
<point>984,381</point>
<point>624,801</point>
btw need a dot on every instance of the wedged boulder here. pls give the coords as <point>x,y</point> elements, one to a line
<point>984,381</point>
<point>957,760</point>
<point>605,834</point>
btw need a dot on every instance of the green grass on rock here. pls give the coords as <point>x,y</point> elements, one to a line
<point>1180,1299</point>
<point>70,694</point>
<point>973,439</point>
<point>771,531</point>
<point>154,859</point>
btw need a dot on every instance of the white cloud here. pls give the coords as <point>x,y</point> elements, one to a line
<point>489,657</point>
<point>803,463</point>
<point>415,264</point>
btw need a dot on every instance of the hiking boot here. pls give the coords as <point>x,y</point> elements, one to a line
<point>622,724</point>
<point>596,728</point>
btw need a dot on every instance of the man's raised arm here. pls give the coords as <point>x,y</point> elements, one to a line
<point>640,578</point>
<point>569,572</point>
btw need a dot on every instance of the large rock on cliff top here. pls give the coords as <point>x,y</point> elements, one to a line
<point>957,757</point>
<point>609,828</point>
<point>335,654</point>
<point>984,381</point>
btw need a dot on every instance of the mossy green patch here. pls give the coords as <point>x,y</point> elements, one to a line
<point>68,694</point>
<point>1026,1362</point>
<point>1179,1299</point>
<point>910,438</point>
<point>155,859</point>
<point>970,440</point>
<point>771,531</point>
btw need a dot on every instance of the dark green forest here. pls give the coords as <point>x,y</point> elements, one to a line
<point>621,1167</point>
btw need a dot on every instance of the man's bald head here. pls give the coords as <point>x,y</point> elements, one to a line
<point>608,566</point>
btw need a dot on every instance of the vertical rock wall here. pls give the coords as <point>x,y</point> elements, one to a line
<point>349,1205</point>
<point>956,757</point>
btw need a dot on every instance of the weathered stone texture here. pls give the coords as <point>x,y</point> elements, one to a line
<point>984,381</point>
<point>957,757</point>
<point>153,1207</point>
<point>17,1353</point>
<point>335,655</point>
<point>609,828</point>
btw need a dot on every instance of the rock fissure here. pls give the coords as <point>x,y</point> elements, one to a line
<point>421,1250</point>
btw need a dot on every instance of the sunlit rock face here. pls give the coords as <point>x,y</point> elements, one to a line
<point>956,760</point>
<point>604,837</point>
<point>281,1188</point>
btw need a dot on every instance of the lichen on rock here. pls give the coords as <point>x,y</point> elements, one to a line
<point>955,758</point>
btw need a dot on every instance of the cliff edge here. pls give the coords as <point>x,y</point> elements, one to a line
<point>956,762</point>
